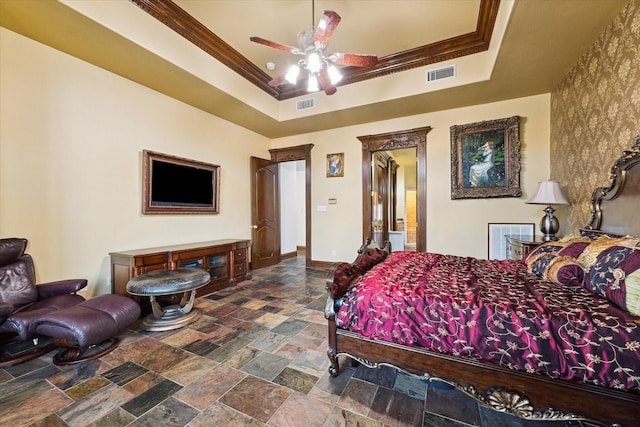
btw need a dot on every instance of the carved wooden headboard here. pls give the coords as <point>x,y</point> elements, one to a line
<point>616,209</point>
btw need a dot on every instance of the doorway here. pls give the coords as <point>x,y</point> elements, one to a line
<point>393,198</point>
<point>265,193</point>
<point>291,179</point>
<point>372,145</point>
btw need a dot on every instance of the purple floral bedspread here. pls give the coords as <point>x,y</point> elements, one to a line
<point>497,312</point>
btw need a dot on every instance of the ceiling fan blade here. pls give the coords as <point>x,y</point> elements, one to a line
<point>353,59</point>
<point>327,25</point>
<point>275,45</point>
<point>325,83</point>
<point>278,80</point>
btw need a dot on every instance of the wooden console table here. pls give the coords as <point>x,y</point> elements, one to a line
<point>227,261</point>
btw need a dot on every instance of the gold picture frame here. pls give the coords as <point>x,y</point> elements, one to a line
<point>335,165</point>
<point>485,159</point>
<point>164,178</point>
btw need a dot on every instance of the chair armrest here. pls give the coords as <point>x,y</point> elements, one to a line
<point>60,287</point>
<point>5,310</point>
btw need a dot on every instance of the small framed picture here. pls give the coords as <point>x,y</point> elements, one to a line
<point>335,165</point>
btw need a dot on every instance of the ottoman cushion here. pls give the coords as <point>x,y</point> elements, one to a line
<point>90,322</point>
<point>166,282</point>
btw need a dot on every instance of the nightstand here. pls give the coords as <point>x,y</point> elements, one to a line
<point>519,246</point>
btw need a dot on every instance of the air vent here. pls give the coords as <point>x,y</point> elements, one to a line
<point>448,72</point>
<point>305,104</point>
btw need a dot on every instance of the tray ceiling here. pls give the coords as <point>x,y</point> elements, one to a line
<point>531,46</point>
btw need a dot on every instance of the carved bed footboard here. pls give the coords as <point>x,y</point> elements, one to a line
<point>527,396</point>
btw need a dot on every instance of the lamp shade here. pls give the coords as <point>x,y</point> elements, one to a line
<point>548,193</point>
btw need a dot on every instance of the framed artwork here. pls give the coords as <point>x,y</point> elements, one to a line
<point>485,159</point>
<point>498,242</point>
<point>335,165</point>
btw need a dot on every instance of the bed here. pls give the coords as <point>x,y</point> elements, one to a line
<point>555,336</point>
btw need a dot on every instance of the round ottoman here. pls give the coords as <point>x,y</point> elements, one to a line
<point>87,330</point>
<point>167,282</point>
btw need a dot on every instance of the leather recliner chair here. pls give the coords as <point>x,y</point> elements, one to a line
<point>22,303</point>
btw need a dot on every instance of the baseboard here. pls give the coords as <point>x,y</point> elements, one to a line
<point>301,248</point>
<point>289,255</point>
<point>322,265</point>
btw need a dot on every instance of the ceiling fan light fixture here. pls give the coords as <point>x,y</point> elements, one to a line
<point>292,74</point>
<point>334,74</point>
<point>319,67</point>
<point>314,62</point>
<point>313,83</point>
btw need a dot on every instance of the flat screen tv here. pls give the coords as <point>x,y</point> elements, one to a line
<point>174,185</point>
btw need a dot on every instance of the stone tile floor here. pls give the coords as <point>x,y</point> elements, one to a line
<point>256,357</point>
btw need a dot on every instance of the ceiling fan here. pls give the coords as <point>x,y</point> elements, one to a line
<point>320,67</point>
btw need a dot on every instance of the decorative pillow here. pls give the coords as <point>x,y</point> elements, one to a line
<point>565,270</point>
<point>557,269</point>
<point>574,248</point>
<point>594,234</point>
<point>574,237</point>
<point>551,248</point>
<point>615,275</point>
<point>538,264</point>
<point>590,254</point>
<point>369,257</point>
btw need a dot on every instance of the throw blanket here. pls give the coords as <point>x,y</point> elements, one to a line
<point>497,312</point>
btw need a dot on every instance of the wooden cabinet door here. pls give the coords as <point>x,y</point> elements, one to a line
<point>218,266</point>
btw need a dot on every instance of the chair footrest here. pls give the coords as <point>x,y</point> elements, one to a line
<point>88,324</point>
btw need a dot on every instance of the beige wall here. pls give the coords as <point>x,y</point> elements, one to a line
<point>71,141</point>
<point>595,114</point>
<point>71,137</point>
<point>70,168</point>
<point>453,226</point>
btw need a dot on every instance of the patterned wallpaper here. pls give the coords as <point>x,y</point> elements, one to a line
<point>595,115</point>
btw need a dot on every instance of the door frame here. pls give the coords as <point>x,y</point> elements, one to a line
<point>390,141</point>
<point>291,154</point>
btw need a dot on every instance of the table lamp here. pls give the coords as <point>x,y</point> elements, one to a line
<point>548,193</point>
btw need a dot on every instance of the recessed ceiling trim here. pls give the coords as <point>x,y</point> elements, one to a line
<point>174,17</point>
